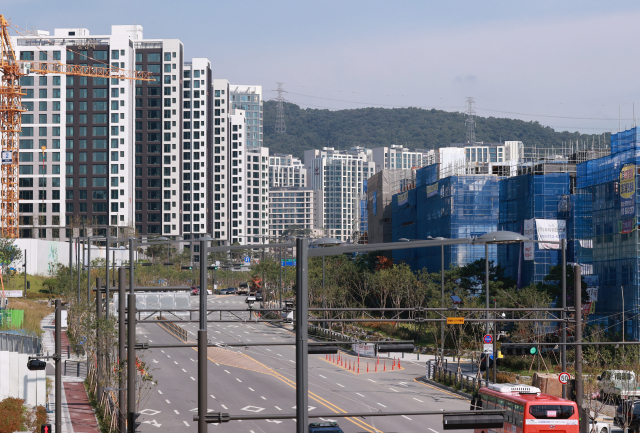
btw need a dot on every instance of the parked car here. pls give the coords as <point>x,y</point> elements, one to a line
<point>223,291</point>
<point>232,291</point>
<point>630,412</point>
<point>194,291</point>
<point>602,425</point>
<point>324,427</point>
<point>258,296</point>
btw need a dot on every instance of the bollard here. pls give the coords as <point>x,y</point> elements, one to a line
<point>399,364</point>
<point>367,367</point>
<point>358,368</point>
<point>77,369</point>
<point>418,356</point>
<point>403,354</point>
<point>384,366</point>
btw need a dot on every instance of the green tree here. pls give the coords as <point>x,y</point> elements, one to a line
<point>552,284</point>
<point>9,253</point>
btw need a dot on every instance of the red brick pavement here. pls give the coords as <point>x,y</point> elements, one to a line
<point>81,413</point>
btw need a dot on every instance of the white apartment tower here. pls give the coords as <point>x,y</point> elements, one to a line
<point>397,156</point>
<point>249,99</point>
<point>286,171</point>
<point>341,176</point>
<point>196,147</point>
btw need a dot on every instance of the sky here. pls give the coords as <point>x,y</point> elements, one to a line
<point>570,65</point>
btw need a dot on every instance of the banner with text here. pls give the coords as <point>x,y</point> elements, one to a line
<point>365,349</point>
<point>551,230</point>
<point>627,198</point>
<point>528,233</point>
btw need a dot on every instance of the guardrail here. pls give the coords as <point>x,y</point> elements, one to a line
<point>173,329</point>
<point>20,343</point>
<point>451,378</point>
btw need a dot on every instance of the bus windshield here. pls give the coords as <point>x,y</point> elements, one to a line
<point>550,411</point>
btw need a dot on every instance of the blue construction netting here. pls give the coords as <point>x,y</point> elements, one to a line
<point>455,207</point>
<point>532,197</point>
<point>610,238</point>
<point>427,175</point>
<point>403,224</point>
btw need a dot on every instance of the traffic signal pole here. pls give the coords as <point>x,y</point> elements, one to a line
<point>58,350</point>
<point>578,347</point>
<point>302,343</point>
<point>131,360</point>
<point>202,342</point>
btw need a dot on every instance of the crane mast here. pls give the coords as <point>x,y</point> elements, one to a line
<point>10,127</point>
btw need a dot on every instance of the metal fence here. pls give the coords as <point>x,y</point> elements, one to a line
<point>20,343</point>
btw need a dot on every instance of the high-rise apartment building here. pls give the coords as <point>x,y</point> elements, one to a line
<point>294,210</point>
<point>397,156</point>
<point>197,157</point>
<point>101,144</point>
<point>239,205</point>
<point>249,99</point>
<point>286,171</point>
<point>340,177</point>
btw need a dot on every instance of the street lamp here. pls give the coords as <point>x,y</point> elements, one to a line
<point>495,238</point>
<point>323,242</point>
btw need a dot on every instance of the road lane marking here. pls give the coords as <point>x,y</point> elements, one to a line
<point>177,413</point>
<point>373,381</point>
<point>262,397</point>
<point>224,407</point>
<point>192,378</point>
<point>175,362</point>
<point>238,380</point>
<point>322,376</point>
<point>340,385</point>
<point>380,404</point>
<point>212,396</point>
<point>394,390</point>
<point>168,402</point>
<point>161,350</point>
<point>404,416</point>
<point>359,394</point>
<point>168,356</point>
<point>186,423</point>
<point>227,371</point>
<point>433,430</point>
<point>192,360</point>
<point>417,399</point>
<point>277,407</point>
<point>184,370</point>
<point>159,391</point>
<point>251,389</point>
<point>440,389</point>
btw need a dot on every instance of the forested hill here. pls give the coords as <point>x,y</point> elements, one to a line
<point>411,127</point>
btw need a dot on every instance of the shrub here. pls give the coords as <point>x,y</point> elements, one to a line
<point>504,377</point>
<point>13,415</point>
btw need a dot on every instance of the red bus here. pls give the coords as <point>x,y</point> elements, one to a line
<point>527,409</point>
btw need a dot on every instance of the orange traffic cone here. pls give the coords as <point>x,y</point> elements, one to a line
<point>376,368</point>
<point>358,368</point>
<point>367,367</point>
<point>398,363</point>
<point>384,366</point>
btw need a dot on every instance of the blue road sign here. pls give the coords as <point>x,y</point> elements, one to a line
<point>247,259</point>
<point>488,339</point>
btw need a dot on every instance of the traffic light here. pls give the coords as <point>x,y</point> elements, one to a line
<point>45,428</point>
<point>532,350</point>
<point>187,268</point>
<point>133,420</point>
<point>36,364</point>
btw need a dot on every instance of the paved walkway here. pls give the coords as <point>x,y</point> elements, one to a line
<point>77,413</point>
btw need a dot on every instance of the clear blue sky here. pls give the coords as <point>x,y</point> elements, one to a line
<point>568,64</point>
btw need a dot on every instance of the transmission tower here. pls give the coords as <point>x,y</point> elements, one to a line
<point>469,122</point>
<point>280,127</point>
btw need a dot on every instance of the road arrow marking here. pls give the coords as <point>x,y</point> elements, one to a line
<point>152,422</point>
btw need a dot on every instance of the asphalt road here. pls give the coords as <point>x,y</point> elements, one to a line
<point>262,380</point>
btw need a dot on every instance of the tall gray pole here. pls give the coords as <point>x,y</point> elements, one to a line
<point>302,357</point>
<point>98,335</point>
<point>89,267</point>
<point>131,260</point>
<point>578,347</point>
<point>202,341</point>
<point>70,267</point>
<point>324,297</point>
<point>131,358</point>
<point>108,281</point>
<point>442,325</point>
<point>622,293</point>
<point>280,288</point>
<point>25,274</point>
<point>58,364</point>
<point>78,266</point>
<point>122,330</point>
<point>486,276</point>
<point>563,349</point>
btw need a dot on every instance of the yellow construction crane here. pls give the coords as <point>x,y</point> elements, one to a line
<point>11,110</point>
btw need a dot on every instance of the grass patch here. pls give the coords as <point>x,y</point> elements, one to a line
<point>34,312</point>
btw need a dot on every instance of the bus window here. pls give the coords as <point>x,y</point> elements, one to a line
<point>509,414</point>
<point>500,404</point>
<point>519,414</point>
<point>491,404</point>
<point>483,401</point>
<point>550,411</point>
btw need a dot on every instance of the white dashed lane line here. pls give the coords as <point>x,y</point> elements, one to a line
<point>380,404</point>
<point>417,399</point>
<point>277,407</point>
<point>177,413</point>
<point>340,385</point>
<point>159,392</point>
<point>238,380</point>
<point>262,397</point>
<point>184,370</point>
<point>251,389</point>
<point>404,416</point>
<point>433,430</point>
<point>192,378</point>
<point>168,402</point>
<point>186,423</point>
<point>394,390</point>
<point>359,394</point>
<point>212,396</point>
<point>227,371</point>
<point>224,407</point>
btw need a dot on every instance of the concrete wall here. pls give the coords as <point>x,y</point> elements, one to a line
<point>17,381</point>
<point>42,255</point>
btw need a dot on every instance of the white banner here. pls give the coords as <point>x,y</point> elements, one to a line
<point>528,233</point>
<point>551,230</point>
<point>551,421</point>
<point>13,293</point>
<point>364,349</point>
<point>593,283</point>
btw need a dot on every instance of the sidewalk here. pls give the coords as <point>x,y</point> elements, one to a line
<point>77,413</point>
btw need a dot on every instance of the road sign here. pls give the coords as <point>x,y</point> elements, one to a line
<point>488,339</point>
<point>247,259</point>
<point>455,320</point>
<point>7,158</point>
<point>564,378</point>
<point>488,348</point>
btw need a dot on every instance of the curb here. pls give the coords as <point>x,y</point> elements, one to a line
<point>441,386</point>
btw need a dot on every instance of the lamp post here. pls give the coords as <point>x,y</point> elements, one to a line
<point>323,242</point>
<point>495,238</point>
